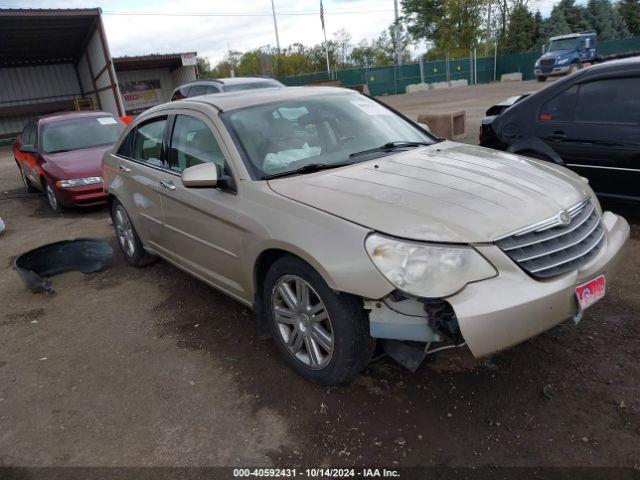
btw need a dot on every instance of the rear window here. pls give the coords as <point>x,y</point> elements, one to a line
<point>251,86</point>
<point>78,133</point>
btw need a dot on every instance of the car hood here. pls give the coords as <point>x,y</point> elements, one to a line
<point>86,162</point>
<point>447,192</point>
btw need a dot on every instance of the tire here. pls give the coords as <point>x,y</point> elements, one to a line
<point>25,181</point>
<point>541,78</point>
<point>50,194</point>
<point>330,330</point>
<point>575,66</point>
<point>128,238</point>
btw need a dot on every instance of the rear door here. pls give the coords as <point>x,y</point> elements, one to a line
<point>141,171</point>
<point>597,133</point>
<point>203,222</point>
<point>29,161</point>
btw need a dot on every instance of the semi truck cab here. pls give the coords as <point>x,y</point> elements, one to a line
<point>566,54</point>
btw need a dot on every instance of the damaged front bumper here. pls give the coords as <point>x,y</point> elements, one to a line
<point>497,313</point>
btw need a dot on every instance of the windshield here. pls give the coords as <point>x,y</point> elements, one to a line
<point>563,44</point>
<point>78,133</point>
<point>286,136</point>
<point>250,86</point>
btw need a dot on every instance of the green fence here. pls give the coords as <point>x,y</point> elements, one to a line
<point>391,80</point>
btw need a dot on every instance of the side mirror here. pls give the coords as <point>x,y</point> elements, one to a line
<point>424,126</point>
<point>27,149</point>
<point>544,48</point>
<point>202,175</point>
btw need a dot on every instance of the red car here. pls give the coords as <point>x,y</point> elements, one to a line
<point>61,155</point>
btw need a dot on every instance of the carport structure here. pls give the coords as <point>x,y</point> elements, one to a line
<point>53,60</point>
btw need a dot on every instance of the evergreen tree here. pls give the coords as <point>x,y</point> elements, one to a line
<point>538,29</point>
<point>574,15</point>
<point>521,32</point>
<point>630,12</point>
<point>556,24</point>
<point>605,19</point>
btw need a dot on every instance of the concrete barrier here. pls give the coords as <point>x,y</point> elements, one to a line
<point>417,87</point>
<point>459,83</point>
<point>511,77</point>
<point>438,85</point>
<point>450,125</point>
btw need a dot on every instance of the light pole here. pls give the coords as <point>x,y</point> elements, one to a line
<point>275,26</point>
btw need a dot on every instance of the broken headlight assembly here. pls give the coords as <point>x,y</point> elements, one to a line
<point>78,182</point>
<point>427,270</point>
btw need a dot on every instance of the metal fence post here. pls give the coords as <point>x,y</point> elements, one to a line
<point>421,69</point>
<point>448,68</point>
<point>495,62</point>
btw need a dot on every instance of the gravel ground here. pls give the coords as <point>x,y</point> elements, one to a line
<point>148,367</point>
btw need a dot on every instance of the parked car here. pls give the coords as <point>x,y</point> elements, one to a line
<point>234,84</point>
<point>588,122</point>
<point>341,223</point>
<point>61,155</point>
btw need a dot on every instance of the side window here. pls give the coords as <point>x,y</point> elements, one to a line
<point>560,108</point>
<point>177,95</point>
<point>193,143</point>
<point>29,134</point>
<point>125,147</point>
<point>147,142</point>
<point>609,101</point>
<point>197,90</point>
<point>212,89</point>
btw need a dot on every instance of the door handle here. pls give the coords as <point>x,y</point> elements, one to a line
<point>557,136</point>
<point>124,169</point>
<point>167,185</point>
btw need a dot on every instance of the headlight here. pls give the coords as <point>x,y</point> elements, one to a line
<point>537,65</point>
<point>427,270</point>
<point>562,61</point>
<point>78,182</point>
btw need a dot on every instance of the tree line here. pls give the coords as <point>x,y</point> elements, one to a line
<point>442,27</point>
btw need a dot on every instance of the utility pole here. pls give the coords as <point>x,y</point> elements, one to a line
<point>488,26</point>
<point>397,29</point>
<point>275,26</point>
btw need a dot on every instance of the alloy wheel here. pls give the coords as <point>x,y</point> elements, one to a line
<point>51,198</point>
<point>302,321</point>
<point>124,231</point>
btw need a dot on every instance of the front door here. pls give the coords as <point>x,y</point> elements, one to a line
<point>202,222</point>
<point>595,128</point>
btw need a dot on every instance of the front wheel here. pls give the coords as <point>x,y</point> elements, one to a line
<point>52,200</point>
<point>541,78</point>
<point>575,66</point>
<point>321,334</point>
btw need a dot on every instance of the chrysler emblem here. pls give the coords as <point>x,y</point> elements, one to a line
<point>564,217</point>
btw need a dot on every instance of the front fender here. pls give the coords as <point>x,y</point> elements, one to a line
<point>534,144</point>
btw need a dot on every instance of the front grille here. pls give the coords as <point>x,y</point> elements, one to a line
<point>548,62</point>
<point>550,248</point>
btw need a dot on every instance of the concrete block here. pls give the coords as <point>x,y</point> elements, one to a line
<point>438,85</point>
<point>450,125</point>
<point>417,87</point>
<point>511,77</point>
<point>459,83</point>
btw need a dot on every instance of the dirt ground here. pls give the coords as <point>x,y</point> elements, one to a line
<point>148,367</point>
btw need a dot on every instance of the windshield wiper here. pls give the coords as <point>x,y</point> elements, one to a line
<point>309,168</point>
<point>60,150</point>
<point>389,147</point>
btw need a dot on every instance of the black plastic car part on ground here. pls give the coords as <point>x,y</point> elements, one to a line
<point>36,266</point>
<point>588,122</point>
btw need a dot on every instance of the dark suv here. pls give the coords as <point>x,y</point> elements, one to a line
<point>588,122</point>
<point>204,87</point>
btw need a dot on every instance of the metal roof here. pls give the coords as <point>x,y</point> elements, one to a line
<point>45,36</point>
<point>143,62</point>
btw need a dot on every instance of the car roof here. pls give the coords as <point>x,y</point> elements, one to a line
<point>245,98</point>
<point>572,35</point>
<point>60,116</point>
<point>228,81</point>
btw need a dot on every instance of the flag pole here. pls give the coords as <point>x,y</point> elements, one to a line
<point>326,45</point>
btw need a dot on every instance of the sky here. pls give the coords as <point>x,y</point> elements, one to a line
<point>211,27</point>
